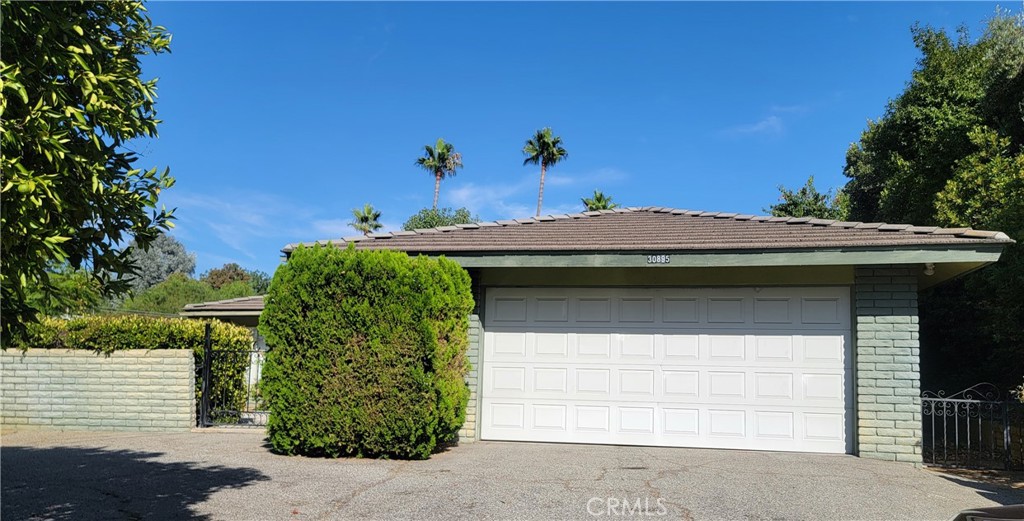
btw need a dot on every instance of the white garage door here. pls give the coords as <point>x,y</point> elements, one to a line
<point>749,368</point>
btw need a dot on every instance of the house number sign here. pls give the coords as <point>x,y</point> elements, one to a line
<point>659,259</point>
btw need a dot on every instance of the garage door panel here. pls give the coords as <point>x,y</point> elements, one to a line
<point>730,368</point>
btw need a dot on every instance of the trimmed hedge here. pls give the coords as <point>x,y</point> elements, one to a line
<point>367,353</point>
<point>109,333</point>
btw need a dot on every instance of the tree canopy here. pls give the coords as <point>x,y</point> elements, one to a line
<point>73,98</point>
<point>441,160</point>
<point>807,201</point>
<point>598,201</point>
<point>432,218</point>
<point>224,275</point>
<point>366,219</point>
<point>948,151</point>
<point>171,295</point>
<point>158,260</point>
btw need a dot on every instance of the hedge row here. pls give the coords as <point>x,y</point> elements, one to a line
<point>109,333</point>
<point>367,353</point>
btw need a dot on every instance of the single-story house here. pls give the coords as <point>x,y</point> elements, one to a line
<point>243,311</point>
<point>659,326</point>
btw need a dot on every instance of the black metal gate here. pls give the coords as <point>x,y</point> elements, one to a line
<point>972,428</point>
<point>229,393</point>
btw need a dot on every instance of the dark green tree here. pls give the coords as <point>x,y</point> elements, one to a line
<point>259,280</point>
<point>158,260</point>
<point>948,152</point>
<point>807,201</point>
<point>72,98</point>
<point>224,275</point>
<point>432,218</point>
<point>544,149</point>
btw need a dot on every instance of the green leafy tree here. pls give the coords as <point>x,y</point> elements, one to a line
<point>171,295</point>
<point>598,202</point>
<point>948,152</point>
<point>441,160</point>
<point>259,280</point>
<point>545,149</point>
<point>224,275</point>
<point>434,217</point>
<point>72,98</point>
<point>366,219</point>
<point>74,292</point>
<point>158,260</point>
<point>807,201</point>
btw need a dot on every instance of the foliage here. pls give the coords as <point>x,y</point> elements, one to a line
<point>807,201</point>
<point>158,260</point>
<point>74,292</point>
<point>224,275</point>
<point>109,333</point>
<point>434,217</point>
<point>171,295</point>
<point>72,98</point>
<point>545,149</point>
<point>259,280</point>
<point>948,152</point>
<point>598,202</point>
<point>367,353</point>
<point>366,219</point>
<point>441,160</point>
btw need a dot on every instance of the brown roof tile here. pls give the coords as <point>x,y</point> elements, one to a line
<point>637,229</point>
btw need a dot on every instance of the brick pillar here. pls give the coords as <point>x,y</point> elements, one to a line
<point>476,340</point>
<point>887,358</point>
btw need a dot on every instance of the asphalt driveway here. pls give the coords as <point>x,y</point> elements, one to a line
<point>232,475</point>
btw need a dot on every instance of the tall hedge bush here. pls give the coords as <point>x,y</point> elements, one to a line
<point>367,353</point>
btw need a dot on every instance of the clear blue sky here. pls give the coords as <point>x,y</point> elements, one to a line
<point>279,118</point>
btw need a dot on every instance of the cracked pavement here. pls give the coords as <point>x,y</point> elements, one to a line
<point>232,475</point>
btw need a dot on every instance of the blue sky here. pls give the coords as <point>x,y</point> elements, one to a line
<point>279,118</point>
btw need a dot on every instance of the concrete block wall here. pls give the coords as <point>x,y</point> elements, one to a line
<point>476,339</point>
<point>887,362</point>
<point>131,390</point>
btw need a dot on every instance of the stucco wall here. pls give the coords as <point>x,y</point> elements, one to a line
<point>132,390</point>
<point>887,357</point>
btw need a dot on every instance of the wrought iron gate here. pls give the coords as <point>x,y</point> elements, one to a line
<point>972,428</point>
<point>229,394</point>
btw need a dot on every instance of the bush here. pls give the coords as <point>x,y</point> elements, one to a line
<point>109,333</point>
<point>367,353</point>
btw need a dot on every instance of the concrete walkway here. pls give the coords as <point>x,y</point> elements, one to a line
<point>232,475</point>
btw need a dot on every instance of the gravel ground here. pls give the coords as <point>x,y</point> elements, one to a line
<point>232,475</point>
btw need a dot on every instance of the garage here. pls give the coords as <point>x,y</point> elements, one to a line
<point>682,328</point>
<point>742,368</point>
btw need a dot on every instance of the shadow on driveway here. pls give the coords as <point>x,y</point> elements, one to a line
<point>93,483</point>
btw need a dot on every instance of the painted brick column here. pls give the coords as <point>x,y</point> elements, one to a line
<point>468,431</point>
<point>887,358</point>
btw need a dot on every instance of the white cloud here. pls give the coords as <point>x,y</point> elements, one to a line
<point>771,125</point>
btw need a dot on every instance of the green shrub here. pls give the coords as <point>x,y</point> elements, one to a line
<point>109,333</point>
<point>367,353</point>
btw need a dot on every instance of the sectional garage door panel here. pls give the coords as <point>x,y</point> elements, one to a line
<point>732,368</point>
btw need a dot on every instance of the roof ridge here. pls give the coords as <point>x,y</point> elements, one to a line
<point>808,221</point>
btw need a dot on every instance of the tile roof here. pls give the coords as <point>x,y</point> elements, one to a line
<point>241,304</point>
<point>645,228</point>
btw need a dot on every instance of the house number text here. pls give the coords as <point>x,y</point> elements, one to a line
<point>658,259</point>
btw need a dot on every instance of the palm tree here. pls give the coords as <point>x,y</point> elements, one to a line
<point>442,161</point>
<point>366,219</point>
<point>545,149</point>
<point>599,202</point>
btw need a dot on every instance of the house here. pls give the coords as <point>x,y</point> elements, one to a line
<point>658,326</point>
<point>243,311</point>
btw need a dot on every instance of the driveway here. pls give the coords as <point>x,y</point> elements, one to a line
<point>232,475</point>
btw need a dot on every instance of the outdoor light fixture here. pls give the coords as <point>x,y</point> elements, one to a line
<point>929,268</point>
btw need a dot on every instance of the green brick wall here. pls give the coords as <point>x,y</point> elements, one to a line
<point>887,363</point>
<point>133,390</point>
<point>476,334</point>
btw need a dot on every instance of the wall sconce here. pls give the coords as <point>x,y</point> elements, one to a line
<point>929,269</point>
